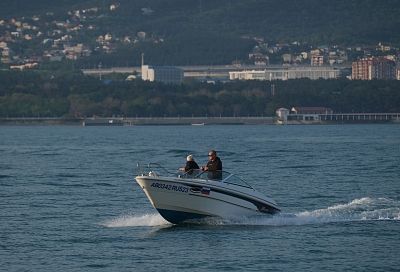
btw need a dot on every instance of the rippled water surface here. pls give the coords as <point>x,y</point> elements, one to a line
<point>69,201</point>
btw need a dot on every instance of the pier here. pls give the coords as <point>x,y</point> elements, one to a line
<point>195,121</point>
<point>338,118</point>
<point>343,118</point>
<point>361,117</point>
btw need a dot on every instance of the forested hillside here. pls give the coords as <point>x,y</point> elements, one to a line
<point>322,21</point>
<point>34,94</point>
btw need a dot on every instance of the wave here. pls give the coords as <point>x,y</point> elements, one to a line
<point>363,209</point>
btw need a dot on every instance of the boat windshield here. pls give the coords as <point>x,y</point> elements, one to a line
<point>155,169</point>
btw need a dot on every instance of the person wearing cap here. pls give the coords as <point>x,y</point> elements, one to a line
<point>214,165</point>
<point>190,165</point>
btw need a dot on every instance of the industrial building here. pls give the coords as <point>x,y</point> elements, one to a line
<point>166,74</point>
<point>285,73</point>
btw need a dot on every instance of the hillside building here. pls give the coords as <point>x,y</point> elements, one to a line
<point>261,60</point>
<point>373,68</point>
<point>398,71</point>
<point>317,60</point>
<point>5,56</point>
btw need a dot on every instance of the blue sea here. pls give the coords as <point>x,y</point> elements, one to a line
<point>69,202</point>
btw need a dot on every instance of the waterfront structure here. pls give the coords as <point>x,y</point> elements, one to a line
<point>343,118</point>
<point>285,73</point>
<point>307,114</point>
<point>311,110</point>
<point>282,114</point>
<point>166,74</point>
<point>373,68</point>
<point>325,117</point>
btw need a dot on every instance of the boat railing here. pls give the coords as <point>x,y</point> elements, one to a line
<point>156,169</point>
<point>152,169</point>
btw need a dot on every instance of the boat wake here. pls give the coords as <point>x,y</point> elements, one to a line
<point>132,220</point>
<point>363,209</point>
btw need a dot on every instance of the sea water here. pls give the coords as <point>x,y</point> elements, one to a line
<point>69,202</point>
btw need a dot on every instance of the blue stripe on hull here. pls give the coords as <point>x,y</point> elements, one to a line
<point>176,217</point>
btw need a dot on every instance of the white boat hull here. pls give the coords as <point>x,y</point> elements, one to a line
<point>179,200</point>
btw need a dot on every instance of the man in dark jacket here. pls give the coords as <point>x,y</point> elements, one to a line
<point>214,166</point>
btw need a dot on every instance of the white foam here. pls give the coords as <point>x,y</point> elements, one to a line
<point>363,209</point>
<point>145,220</point>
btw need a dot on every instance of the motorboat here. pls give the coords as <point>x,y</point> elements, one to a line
<point>186,197</point>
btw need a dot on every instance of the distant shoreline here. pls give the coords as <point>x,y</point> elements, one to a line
<point>165,121</point>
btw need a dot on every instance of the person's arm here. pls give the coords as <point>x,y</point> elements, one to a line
<point>205,168</point>
<point>187,166</point>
